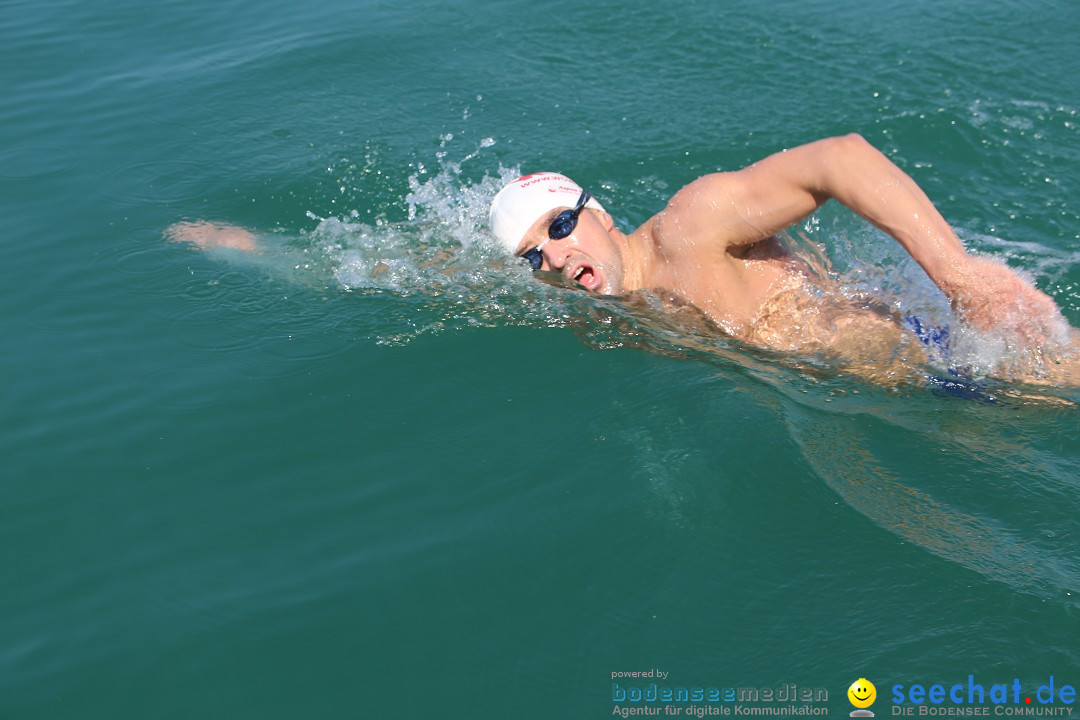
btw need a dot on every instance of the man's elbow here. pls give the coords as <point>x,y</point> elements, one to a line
<point>853,149</point>
<point>853,143</point>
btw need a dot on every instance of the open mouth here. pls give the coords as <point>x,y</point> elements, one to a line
<point>586,276</point>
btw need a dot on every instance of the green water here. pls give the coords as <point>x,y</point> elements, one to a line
<point>373,471</point>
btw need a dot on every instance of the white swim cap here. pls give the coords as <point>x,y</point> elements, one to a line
<point>523,201</point>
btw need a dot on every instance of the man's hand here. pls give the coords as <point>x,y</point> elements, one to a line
<point>991,297</point>
<point>212,235</point>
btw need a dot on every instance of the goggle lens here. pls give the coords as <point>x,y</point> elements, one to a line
<point>561,227</point>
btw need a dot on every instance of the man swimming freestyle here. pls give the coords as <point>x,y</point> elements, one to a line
<point>714,246</point>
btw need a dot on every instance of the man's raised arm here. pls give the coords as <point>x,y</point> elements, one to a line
<point>748,205</point>
<point>777,192</point>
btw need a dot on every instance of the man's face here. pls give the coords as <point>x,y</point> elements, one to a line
<point>589,256</point>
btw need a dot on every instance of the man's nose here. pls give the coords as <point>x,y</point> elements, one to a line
<point>556,252</point>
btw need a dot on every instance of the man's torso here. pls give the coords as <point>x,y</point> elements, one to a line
<point>764,294</point>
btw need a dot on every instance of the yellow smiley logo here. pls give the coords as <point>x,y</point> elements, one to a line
<point>862,693</point>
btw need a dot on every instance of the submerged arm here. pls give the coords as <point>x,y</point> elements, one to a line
<point>207,235</point>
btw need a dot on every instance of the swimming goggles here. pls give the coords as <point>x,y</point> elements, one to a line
<point>561,227</point>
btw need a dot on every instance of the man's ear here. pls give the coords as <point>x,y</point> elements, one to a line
<point>605,219</point>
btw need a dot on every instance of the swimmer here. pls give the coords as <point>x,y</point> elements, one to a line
<point>714,246</point>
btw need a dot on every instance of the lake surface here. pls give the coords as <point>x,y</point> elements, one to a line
<point>375,470</point>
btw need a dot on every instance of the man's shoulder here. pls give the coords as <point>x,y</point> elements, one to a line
<point>701,212</point>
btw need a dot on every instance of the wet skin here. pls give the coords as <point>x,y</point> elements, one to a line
<point>713,246</point>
